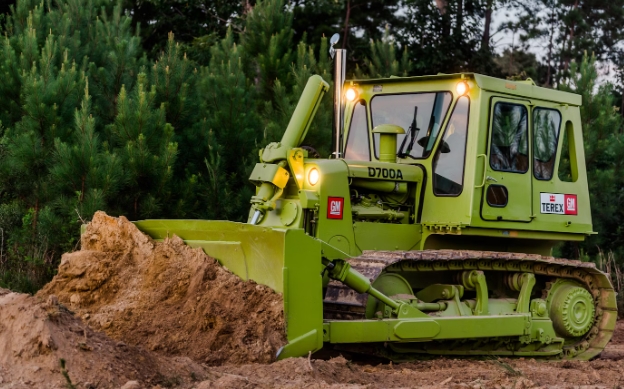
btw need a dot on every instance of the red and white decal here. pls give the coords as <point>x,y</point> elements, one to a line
<point>558,204</point>
<point>335,206</point>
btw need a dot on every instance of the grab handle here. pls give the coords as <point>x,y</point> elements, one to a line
<point>484,165</point>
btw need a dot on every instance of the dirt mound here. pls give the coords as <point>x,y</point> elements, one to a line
<point>44,346</point>
<point>167,297</point>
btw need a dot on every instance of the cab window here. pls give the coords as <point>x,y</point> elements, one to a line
<point>448,164</point>
<point>357,138</point>
<point>510,143</point>
<point>546,123</point>
<point>419,114</point>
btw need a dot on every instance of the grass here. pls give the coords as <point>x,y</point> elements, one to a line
<point>608,264</point>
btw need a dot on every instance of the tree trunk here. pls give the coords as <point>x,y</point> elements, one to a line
<point>35,218</point>
<point>550,47</point>
<point>441,6</point>
<point>567,60</point>
<point>460,20</point>
<point>345,34</point>
<point>82,188</point>
<point>485,38</point>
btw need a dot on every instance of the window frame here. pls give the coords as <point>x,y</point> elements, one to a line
<point>555,165</point>
<point>522,103</point>
<point>446,116</point>
<point>506,197</point>
<point>448,119</point>
<point>368,130</point>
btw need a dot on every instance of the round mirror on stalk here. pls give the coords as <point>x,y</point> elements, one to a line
<point>332,41</point>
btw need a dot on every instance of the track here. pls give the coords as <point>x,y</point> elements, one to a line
<point>342,303</point>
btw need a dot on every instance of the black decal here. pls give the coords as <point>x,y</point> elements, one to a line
<point>371,172</point>
<point>378,171</point>
<point>392,173</point>
<point>399,175</point>
<point>384,173</point>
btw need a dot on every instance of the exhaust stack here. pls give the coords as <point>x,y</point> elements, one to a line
<point>340,62</point>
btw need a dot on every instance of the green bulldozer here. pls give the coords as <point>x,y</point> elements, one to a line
<point>431,227</point>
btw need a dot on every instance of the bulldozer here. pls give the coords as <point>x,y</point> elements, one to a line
<point>430,229</point>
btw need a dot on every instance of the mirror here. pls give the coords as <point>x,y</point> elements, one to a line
<point>444,147</point>
<point>332,41</point>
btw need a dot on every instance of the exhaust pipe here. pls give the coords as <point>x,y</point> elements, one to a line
<point>340,62</point>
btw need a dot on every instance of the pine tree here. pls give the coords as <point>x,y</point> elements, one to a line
<point>267,44</point>
<point>383,61</point>
<point>87,177</point>
<point>116,58</point>
<point>277,114</point>
<point>233,128</point>
<point>143,140</point>
<point>604,147</point>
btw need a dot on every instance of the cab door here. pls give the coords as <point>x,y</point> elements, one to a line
<point>507,179</point>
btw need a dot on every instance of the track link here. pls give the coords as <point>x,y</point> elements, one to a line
<point>342,303</point>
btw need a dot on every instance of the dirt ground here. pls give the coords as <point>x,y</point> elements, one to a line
<point>128,312</point>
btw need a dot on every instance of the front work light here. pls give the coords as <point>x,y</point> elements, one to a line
<point>313,176</point>
<point>351,94</point>
<point>461,88</point>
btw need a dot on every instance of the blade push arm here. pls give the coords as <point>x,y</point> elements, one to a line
<point>270,176</point>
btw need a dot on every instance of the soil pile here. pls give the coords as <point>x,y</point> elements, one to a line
<point>167,297</point>
<point>42,345</point>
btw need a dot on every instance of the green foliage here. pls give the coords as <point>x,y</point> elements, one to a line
<point>447,36</point>
<point>604,148</point>
<point>357,21</point>
<point>143,140</point>
<point>383,61</point>
<point>267,44</point>
<point>188,20</point>
<point>85,176</point>
<point>88,122</point>
<point>277,115</point>
<point>232,128</point>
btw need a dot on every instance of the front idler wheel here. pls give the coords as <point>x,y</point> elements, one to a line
<point>571,309</point>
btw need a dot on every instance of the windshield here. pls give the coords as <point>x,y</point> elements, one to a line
<point>419,114</point>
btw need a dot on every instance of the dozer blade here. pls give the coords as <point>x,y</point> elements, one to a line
<point>286,260</point>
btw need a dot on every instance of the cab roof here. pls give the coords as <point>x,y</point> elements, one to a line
<point>526,89</point>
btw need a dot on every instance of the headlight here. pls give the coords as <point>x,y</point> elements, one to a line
<point>313,176</point>
<point>351,94</point>
<point>461,88</point>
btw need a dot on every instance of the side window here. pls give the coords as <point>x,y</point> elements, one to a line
<point>546,123</point>
<point>357,141</point>
<point>567,170</point>
<point>510,142</point>
<point>448,164</point>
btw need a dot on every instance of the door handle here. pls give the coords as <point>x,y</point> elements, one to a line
<point>484,175</point>
<point>488,178</point>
